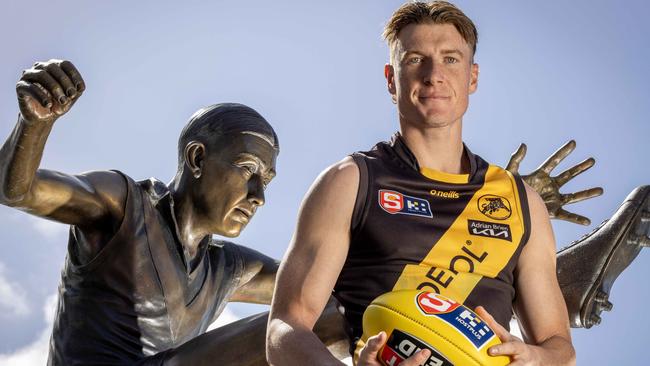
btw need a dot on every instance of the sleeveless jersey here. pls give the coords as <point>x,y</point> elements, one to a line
<point>415,228</point>
<point>135,298</point>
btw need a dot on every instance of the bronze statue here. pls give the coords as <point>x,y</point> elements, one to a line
<point>144,303</point>
<point>143,275</point>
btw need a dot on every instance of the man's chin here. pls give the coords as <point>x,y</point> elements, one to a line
<point>233,230</point>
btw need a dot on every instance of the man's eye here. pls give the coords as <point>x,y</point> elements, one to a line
<point>414,60</point>
<point>249,169</point>
<point>450,60</point>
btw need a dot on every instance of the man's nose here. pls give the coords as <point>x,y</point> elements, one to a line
<point>256,190</point>
<point>432,72</point>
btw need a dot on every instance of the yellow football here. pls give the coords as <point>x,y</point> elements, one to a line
<point>415,320</point>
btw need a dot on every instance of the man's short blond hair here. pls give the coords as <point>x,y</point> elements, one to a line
<point>437,12</point>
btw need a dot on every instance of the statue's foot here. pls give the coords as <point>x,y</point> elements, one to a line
<point>587,268</point>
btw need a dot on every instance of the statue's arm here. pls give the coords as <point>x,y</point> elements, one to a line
<point>258,277</point>
<point>46,92</point>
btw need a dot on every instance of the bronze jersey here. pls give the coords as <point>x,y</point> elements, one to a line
<point>459,235</point>
<point>136,297</point>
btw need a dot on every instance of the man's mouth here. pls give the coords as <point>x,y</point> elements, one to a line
<point>434,96</point>
<point>244,214</point>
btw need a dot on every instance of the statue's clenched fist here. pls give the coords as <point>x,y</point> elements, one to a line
<point>48,90</point>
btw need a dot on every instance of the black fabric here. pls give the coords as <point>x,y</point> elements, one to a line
<point>382,245</point>
<point>136,298</point>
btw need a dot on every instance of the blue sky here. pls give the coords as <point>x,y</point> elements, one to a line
<point>550,71</point>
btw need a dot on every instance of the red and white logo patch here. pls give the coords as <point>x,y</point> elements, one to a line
<point>391,201</point>
<point>431,303</point>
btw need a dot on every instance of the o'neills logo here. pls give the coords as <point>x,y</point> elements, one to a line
<point>494,207</point>
<point>489,229</point>
<point>444,194</point>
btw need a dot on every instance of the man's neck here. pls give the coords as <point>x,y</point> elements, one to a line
<point>187,230</point>
<point>439,148</point>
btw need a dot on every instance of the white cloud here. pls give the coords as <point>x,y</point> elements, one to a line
<point>35,353</point>
<point>12,297</point>
<point>50,229</point>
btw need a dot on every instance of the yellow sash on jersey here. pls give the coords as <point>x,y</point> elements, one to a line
<point>459,260</point>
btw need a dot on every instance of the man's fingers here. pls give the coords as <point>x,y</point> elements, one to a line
<point>500,331</point>
<point>57,72</point>
<point>417,359</point>
<point>512,348</point>
<point>369,352</point>
<point>569,174</point>
<point>375,342</point>
<point>48,82</point>
<point>557,157</point>
<point>26,90</point>
<point>570,217</point>
<point>516,158</point>
<point>74,75</point>
<point>581,196</point>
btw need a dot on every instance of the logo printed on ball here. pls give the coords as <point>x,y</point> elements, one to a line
<point>395,202</point>
<point>455,314</point>
<point>431,303</point>
<point>401,345</point>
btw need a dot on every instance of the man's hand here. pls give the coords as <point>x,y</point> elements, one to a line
<point>549,187</point>
<point>519,352</point>
<point>48,90</point>
<point>368,354</point>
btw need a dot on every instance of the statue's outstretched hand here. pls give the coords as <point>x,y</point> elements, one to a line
<point>549,187</point>
<point>48,90</point>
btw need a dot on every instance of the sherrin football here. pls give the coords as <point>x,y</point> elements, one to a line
<point>415,320</point>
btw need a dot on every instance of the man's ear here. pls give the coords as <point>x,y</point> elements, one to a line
<point>389,74</point>
<point>473,78</point>
<point>194,155</point>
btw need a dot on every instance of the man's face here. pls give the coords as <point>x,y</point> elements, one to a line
<point>432,75</point>
<point>234,177</point>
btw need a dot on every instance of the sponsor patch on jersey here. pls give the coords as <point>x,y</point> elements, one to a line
<point>401,345</point>
<point>489,229</point>
<point>494,207</point>
<point>463,320</point>
<point>394,202</point>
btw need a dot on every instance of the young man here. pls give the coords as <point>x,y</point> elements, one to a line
<point>401,216</point>
<point>143,275</point>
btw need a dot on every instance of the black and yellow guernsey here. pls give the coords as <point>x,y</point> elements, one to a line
<point>459,235</point>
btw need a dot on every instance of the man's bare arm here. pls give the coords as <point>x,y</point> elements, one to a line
<point>539,305</point>
<point>310,268</point>
<point>46,92</point>
<point>258,279</point>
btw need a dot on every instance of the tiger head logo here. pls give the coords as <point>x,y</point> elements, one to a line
<point>494,207</point>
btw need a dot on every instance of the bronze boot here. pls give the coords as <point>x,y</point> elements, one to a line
<point>588,267</point>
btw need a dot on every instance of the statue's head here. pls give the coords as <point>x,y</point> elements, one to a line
<point>226,158</point>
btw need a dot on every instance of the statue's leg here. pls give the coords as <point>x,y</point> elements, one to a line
<point>587,268</point>
<point>242,342</point>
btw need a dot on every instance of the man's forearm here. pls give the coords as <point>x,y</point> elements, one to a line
<point>556,351</point>
<point>20,157</point>
<point>290,345</point>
